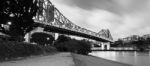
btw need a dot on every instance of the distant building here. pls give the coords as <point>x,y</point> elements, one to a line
<point>135,37</point>
<point>131,38</point>
<point>146,36</point>
<point>127,39</point>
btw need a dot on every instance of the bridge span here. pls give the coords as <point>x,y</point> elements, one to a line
<point>52,20</point>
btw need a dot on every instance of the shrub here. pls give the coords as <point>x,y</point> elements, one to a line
<point>42,38</point>
<point>85,47</point>
<point>67,44</point>
<point>12,49</point>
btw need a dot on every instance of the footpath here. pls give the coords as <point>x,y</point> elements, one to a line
<point>59,59</point>
<point>62,59</point>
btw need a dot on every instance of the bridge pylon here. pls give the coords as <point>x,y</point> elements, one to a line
<point>105,45</point>
<point>101,46</point>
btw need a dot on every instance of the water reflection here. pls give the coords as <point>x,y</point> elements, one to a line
<point>134,58</point>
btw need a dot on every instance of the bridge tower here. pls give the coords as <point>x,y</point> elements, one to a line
<point>103,45</point>
<point>105,33</point>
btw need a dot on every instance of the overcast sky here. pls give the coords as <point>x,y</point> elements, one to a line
<point>122,17</point>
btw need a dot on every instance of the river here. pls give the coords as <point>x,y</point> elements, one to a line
<point>129,57</point>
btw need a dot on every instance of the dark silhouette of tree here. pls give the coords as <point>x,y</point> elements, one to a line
<point>67,44</point>
<point>42,38</point>
<point>16,16</point>
<point>147,41</point>
<point>61,44</point>
<point>85,47</point>
<point>62,38</point>
<point>139,45</point>
<point>118,43</point>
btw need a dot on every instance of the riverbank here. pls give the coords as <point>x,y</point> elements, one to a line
<point>82,60</point>
<point>123,50</point>
<point>63,59</point>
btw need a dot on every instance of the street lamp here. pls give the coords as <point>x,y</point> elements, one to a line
<point>9,22</point>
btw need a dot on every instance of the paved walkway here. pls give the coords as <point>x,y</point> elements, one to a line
<point>60,59</point>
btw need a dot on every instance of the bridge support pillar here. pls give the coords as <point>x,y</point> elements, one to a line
<point>105,46</point>
<point>27,37</point>
<point>29,34</point>
<point>108,45</point>
<point>102,46</point>
<point>56,36</point>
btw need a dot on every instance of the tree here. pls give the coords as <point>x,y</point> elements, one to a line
<point>139,44</point>
<point>67,44</point>
<point>42,38</point>
<point>118,43</point>
<point>16,16</point>
<point>62,38</point>
<point>85,47</point>
<point>147,41</point>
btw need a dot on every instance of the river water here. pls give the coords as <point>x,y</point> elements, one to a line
<point>129,57</point>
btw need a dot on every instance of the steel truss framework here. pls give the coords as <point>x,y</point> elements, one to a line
<point>49,15</point>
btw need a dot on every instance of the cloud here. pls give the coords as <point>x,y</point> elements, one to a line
<point>75,14</point>
<point>122,17</point>
<point>93,4</point>
<point>116,6</point>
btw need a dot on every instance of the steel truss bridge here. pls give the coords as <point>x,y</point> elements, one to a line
<point>52,20</point>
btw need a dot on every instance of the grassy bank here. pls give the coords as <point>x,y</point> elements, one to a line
<point>77,61</point>
<point>84,60</point>
<point>12,49</point>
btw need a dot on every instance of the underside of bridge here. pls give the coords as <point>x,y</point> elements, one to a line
<point>54,29</point>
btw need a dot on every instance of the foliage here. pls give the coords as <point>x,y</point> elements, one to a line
<point>42,38</point>
<point>71,45</point>
<point>147,41</point>
<point>118,43</point>
<point>15,49</point>
<point>12,49</point>
<point>142,44</point>
<point>85,47</point>
<point>139,44</point>
<point>62,38</point>
<point>16,16</point>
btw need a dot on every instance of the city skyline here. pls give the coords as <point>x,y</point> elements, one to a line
<point>122,18</point>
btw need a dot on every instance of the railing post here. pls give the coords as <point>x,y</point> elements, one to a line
<point>56,35</point>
